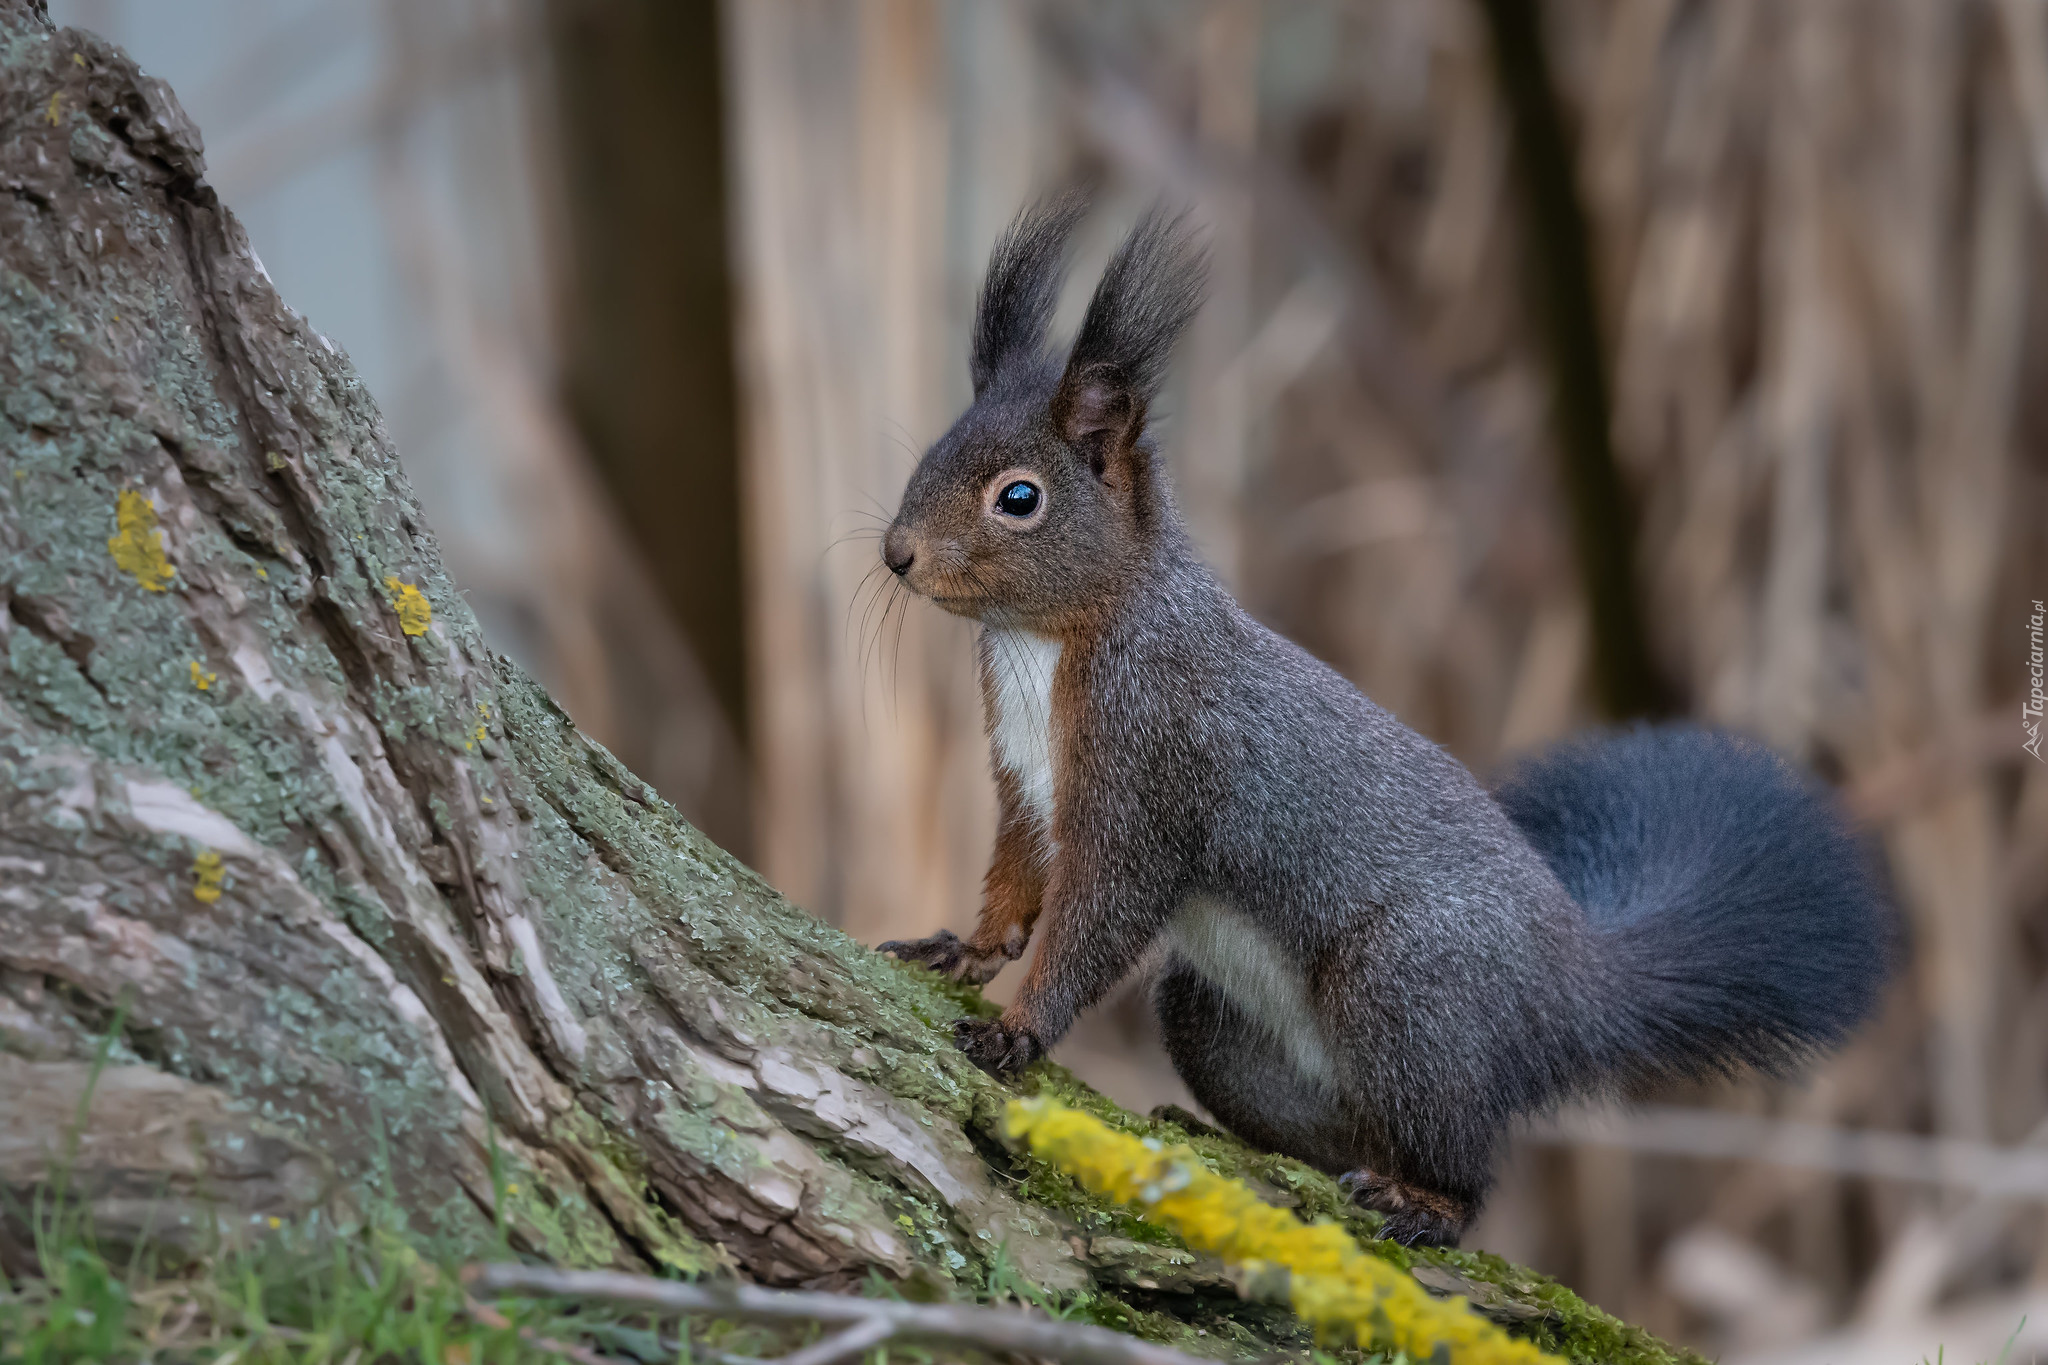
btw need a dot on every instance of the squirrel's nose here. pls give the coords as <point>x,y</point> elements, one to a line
<point>897,552</point>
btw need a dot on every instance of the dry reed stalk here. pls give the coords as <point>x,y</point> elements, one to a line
<point>871,794</point>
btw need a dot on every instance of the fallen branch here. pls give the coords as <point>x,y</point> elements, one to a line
<point>865,1323</point>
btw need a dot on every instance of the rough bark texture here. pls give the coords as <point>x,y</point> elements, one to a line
<point>380,918</point>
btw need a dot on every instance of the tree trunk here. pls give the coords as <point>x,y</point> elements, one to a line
<point>379,927</point>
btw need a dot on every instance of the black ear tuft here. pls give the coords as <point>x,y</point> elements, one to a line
<point>1147,296</point>
<point>1023,285</point>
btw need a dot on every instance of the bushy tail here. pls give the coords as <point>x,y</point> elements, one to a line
<point>1742,920</point>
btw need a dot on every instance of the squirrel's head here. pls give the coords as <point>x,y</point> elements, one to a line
<point>1044,497</point>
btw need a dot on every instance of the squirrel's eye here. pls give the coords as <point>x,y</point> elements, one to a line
<point>1019,499</point>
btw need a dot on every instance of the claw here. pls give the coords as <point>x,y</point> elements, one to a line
<point>947,953</point>
<point>938,952</point>
<point>1411,1215</point>
<point>995,1047</point>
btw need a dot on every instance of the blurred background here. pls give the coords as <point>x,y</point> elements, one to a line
<point>1562,364</point>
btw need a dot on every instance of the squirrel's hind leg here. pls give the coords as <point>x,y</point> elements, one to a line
<point>1244,1076</point>
<point>1414,1216</point>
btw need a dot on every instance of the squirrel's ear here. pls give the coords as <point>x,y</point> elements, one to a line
<point>1022,287</point>
<point>1148,293</point>
<point>1098,413</point>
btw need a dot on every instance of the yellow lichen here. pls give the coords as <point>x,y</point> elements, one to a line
<point>56,98</point>
<point>202,679</point>
<point>209,875</point>
<point>415,612</point>
<point>1333,1284</point>
<point>137,545</point>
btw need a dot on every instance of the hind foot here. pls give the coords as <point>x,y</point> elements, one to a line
<point>1414,1216</point>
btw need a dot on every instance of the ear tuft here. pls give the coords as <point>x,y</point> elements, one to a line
<point>1148,294</point>
<point>1022,287</point>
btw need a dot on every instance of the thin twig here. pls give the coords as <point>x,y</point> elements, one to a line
<point>986,1329</point>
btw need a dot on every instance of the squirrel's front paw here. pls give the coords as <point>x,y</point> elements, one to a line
<point>995,1047</point>
<point>947,952</point>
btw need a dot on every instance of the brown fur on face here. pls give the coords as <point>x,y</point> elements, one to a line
<point>1047,572</point>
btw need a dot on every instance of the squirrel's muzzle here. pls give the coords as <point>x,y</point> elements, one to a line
<point>897,551</point>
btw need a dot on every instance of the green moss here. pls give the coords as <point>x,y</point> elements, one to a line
<point>1571,1327</point>
<point>655,1230</point>
<point>556,1221</point>
<point>1578,1330</point>
<point>964,997</point>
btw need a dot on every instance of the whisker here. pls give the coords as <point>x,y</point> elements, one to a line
<point>896,659</point>
<point>863,533</point>
<point>897,599</point>
<point>901,436</point>
<point>885,597</point>
<point>889,595</point>
<point>866,586</point>
<point>871,640</point>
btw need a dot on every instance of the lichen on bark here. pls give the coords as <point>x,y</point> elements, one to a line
<point>367,902</point>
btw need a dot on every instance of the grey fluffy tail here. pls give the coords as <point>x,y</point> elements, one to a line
<point>1740,919</point>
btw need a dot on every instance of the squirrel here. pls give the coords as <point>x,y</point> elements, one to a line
<point>1371,963</point>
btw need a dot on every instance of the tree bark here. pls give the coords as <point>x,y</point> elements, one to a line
<point>380,928</point>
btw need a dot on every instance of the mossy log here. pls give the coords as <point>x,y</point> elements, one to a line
<point>380,928</point>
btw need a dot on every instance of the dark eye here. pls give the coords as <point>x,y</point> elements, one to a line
<point>1019,499</point>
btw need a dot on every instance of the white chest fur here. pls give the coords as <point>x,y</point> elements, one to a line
<point>1256,975</point>
<point>1020,670</point>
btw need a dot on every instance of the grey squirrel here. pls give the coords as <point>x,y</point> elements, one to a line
<point>1370,963</point>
